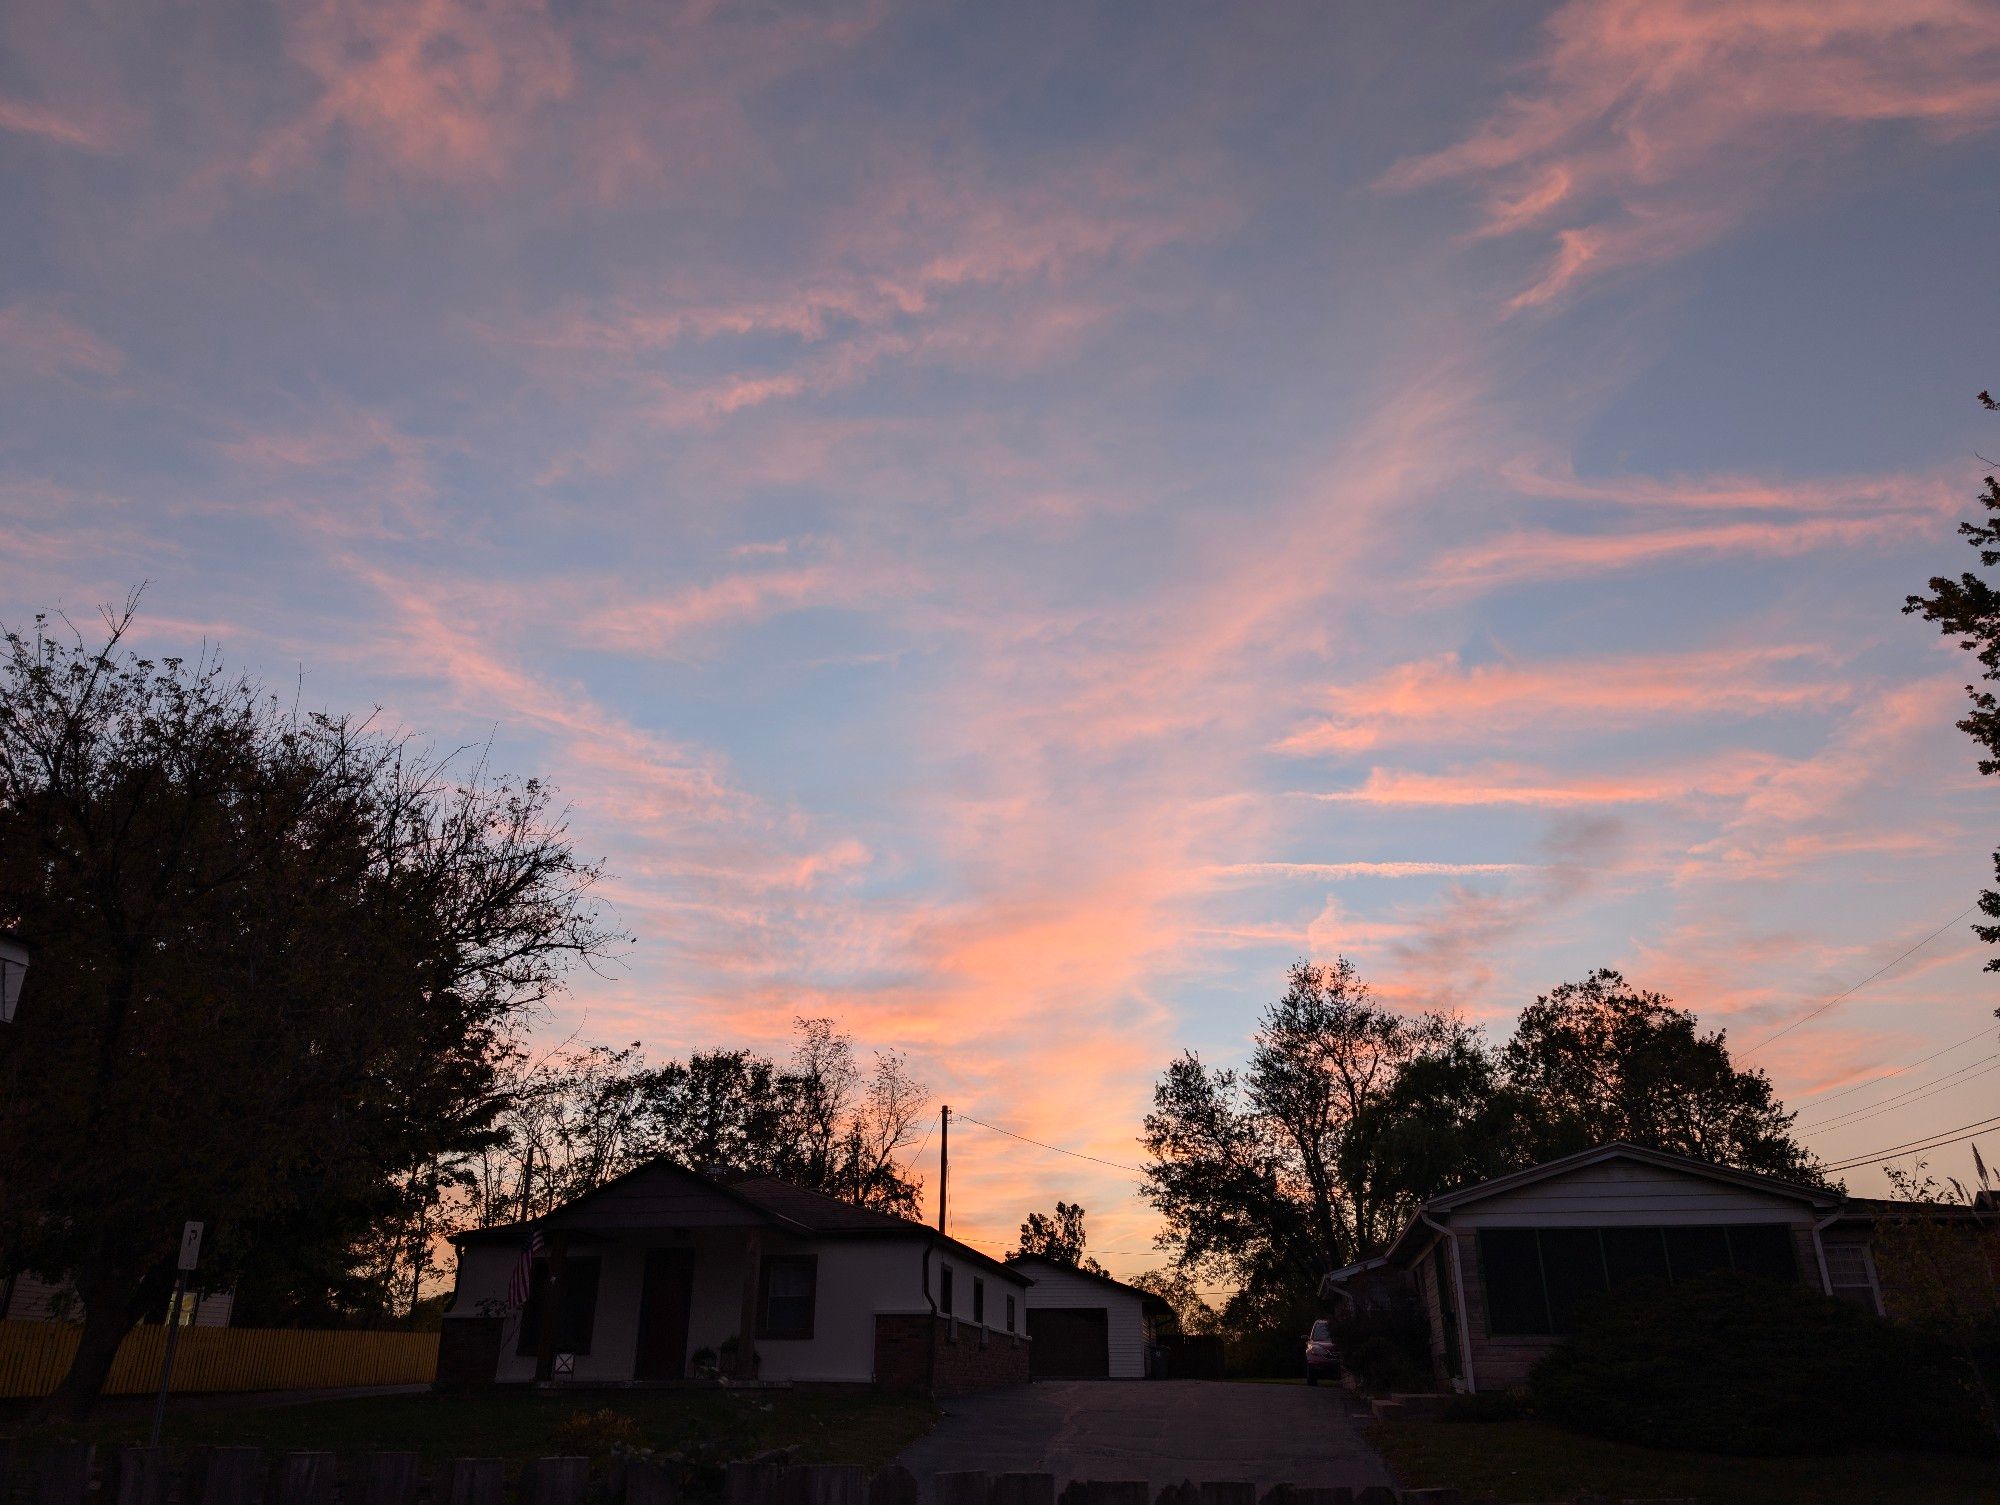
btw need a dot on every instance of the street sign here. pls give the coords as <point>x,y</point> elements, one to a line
<point>190,1246</point>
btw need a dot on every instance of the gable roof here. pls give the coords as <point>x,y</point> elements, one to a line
<point>662,1193</point>
<point>1150,1299</point>
<point>1817,1197</point>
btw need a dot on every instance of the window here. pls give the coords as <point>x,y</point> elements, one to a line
<point>978,1299</point>
<point>1850,1274</point>
<point>576,1308</point>
<point>785,1300</point>
<point>1010,1314</point>
<point>944,1289</point>
<point>1540,1280</point>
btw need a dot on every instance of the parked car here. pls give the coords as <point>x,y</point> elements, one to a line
<point>1322,1358</point>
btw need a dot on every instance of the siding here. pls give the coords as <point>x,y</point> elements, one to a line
<point>1625,1191</point>
<point>1125,1315</point>
<point>1608,1194</point>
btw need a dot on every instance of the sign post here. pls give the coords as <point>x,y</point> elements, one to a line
<point>190,1256</point>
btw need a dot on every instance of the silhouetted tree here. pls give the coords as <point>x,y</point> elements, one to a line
<point>1599,1060</point>
<point>279,960</point>
<point>1968,608</point>
<point>1058,1236</point>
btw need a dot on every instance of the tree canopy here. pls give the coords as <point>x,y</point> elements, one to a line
<point>1967,607</point>
<point>1350,1114</point>
<point>1058,1236</point>
<point>280,959</point>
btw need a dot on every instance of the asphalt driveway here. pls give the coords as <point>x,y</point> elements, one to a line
<point>1161,1431</point>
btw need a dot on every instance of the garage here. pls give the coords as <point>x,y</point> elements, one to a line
<point>1084,1325</point>
<point>1069,1343</point>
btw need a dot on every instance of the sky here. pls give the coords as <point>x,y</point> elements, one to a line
<point>1010,525</point>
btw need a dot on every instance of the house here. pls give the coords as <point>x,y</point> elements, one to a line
<point>26,1297</point>
<point>1500,1269</point>
<point>1086,1325</point>
<point>666,1274</point>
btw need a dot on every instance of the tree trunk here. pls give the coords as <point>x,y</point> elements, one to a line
<point>113,1302</point>
<point>105,1324</point>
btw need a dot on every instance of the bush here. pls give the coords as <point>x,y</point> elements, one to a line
<point>1727,1365</point>
<point>1386,1348</point>
<point>595,1433</point>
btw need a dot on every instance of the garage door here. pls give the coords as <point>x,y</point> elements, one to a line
<point>1071,1343</point>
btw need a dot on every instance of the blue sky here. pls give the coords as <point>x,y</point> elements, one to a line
<point>1010,526</point>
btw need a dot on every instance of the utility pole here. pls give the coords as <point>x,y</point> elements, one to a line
<point>944,1162</point>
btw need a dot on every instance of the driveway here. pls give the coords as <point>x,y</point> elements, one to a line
<point>1161,1431</point>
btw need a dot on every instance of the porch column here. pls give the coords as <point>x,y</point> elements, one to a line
<point>545,1335</point>
<point>745,1367</point>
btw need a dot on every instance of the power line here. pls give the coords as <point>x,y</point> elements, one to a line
<point>1903,1099</point>
<point>1826,1097</point>
<point>1808,1018</point>
<point>1041,1144</point>
<point>1918,1146</point>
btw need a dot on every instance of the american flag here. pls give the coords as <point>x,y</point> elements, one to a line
<point>524,1272</point>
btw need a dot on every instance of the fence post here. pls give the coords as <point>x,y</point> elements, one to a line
<point>1376,1494</point>
<point>958,1489</point>
<point>386,1479</point>
<point>1443,1496</point>
<point>649,1483</point>
<point>473,1481</point>
<point>746,1483</point>
<point>141,1477</point>
<point>305,1479</point>
<point>233,1476</point>
<point>1228,1492</point>
<point>1338,1494</point>
<point>1117,1492</point>
<point>829,1484</point>
<point>64,1475</point>
<point>1023,1489</point>
<point>894,1485</point>
<point>555,1481</point>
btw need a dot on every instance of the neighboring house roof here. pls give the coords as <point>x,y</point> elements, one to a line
<point>1413,1234</point>
<point>1152,1299</point>
<point>1887,1209</point>
<point>745,1201</point>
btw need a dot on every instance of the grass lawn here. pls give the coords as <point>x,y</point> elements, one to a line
<point>827,1426</point>
<point>1530,1460</point>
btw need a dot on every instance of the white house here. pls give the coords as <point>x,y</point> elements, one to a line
<point>1088,1326</point>
<point>1501,1268</point>
<point>665,1274</point>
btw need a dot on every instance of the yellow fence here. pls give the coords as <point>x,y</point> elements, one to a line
<point>34,1356</point>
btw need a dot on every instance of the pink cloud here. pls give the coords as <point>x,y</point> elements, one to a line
<point>1442,698</point>
<point>48,342</point>
<point>1652,126</point>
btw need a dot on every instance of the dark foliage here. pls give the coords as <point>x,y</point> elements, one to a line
<point>1386,1347</point>
<point>279,962</point>
<point>1599,1060</point>
<point>1728,1365</point>
<point>1968,608</point>
<point>1059,1236</point>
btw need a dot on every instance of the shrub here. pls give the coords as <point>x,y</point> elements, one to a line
<point>595,1433</point>
<point>1386,1348</point>
<point>1728,1365</point>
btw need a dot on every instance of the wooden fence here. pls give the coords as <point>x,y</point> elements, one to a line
<point>35,1355</point>
<point>76,1474</point>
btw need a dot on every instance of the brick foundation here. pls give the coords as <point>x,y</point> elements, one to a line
<point>469,1352</point>
<point>942,1357</point>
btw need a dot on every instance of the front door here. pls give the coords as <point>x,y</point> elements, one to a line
<point>663,1315</point>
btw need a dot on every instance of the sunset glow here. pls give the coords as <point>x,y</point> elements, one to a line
<point>1010,525</point>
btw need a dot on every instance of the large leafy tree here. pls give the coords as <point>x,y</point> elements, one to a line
<point>279,961</point>
<point>1059,1236</point>
<point>1968,608</point>
<point>1599,1060</point>
<point>1269,1177</point>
